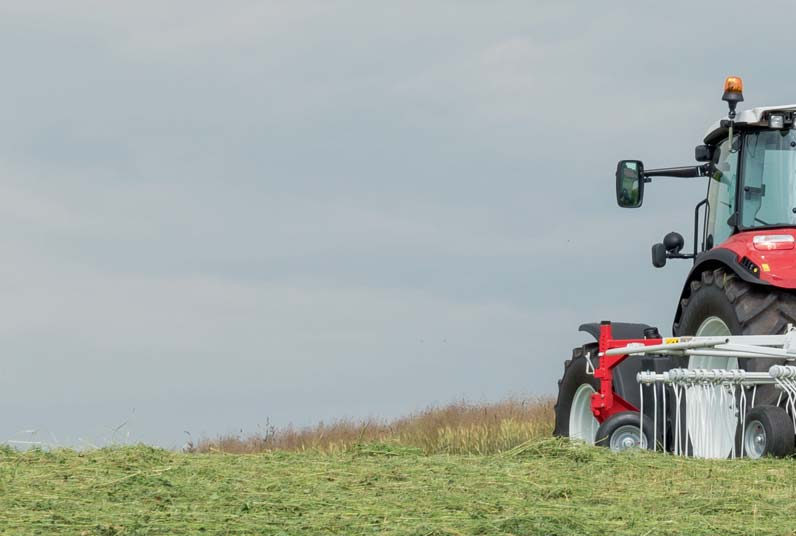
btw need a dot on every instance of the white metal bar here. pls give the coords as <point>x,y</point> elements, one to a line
<point>696,342</point>
<point>748,348</point>
<point>756,340</point>
<point>727,353</point>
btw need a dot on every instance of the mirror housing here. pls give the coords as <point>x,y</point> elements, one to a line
<point>673,242</point>
<point>658,255</point>
<point>703,153</point>
<point>629,183</point>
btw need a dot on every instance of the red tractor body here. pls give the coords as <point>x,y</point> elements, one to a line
<point>768,255</point>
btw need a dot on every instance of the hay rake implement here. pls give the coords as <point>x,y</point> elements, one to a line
<point>707,413</point>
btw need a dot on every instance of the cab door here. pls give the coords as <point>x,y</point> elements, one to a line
<point>722,198</point>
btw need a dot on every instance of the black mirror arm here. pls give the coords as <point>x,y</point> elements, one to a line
<point>696,225</point>
<point>687,172</point>
<point>680,255</point>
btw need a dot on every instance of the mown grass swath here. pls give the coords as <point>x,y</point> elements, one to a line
<point>548,486</point>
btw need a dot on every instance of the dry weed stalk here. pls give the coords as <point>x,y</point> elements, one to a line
<point>460,427</point>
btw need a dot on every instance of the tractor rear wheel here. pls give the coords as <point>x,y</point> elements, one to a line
<point>722,304</point>
<point>574,418</point>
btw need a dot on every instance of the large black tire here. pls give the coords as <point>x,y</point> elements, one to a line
<point>574,376</point>
<point>746,309</point>
<point>777,433</point>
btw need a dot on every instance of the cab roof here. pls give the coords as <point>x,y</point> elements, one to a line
<point>752,117</point>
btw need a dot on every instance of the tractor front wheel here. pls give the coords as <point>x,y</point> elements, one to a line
<point>574,418</point>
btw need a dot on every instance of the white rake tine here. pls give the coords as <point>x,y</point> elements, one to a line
<point>654,417</point>
<point>641,417</point>
<point>743,418</point>
<point>734,447</point>
<point>678,438</point>
<point>663,392</point>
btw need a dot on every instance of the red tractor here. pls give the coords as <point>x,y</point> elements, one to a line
<point>741,287</point>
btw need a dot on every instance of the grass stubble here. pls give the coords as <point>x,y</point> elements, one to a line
<point>540,486</point>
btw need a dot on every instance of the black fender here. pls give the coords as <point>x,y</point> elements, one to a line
<point>710,260</point>
<point>619,330</point>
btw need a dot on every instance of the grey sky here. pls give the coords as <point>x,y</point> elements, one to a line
<point>218,214</point>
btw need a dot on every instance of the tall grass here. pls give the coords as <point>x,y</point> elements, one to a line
<point>457,428</point>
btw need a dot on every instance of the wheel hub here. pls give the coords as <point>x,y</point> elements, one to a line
<point>755,440</point>
<point>626,437</point>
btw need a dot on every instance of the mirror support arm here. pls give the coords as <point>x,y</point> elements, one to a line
<point>696,225</point>
<point>686,172</point>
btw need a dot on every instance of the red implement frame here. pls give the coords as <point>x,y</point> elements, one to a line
<point>606,402</point>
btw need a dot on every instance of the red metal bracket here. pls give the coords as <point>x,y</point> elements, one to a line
<point>607,402</point>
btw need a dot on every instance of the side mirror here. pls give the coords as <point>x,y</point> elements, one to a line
<point>658,255</point>
<point>703,153</point>
<point>629,183</point>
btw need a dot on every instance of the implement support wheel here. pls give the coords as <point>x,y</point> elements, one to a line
<point>768,432</point>
<point>621,432</point>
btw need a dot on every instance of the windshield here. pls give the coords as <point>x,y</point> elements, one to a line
<point>769,176</point>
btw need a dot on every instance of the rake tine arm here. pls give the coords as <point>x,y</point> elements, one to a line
<point>705,342</point>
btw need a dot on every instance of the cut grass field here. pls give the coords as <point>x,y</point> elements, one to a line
<point>544,487</point>
<point>485,469</point>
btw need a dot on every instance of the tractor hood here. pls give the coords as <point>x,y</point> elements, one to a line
<point>767,254</point>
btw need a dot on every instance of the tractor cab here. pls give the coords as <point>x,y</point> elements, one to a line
<point>762,152</point>
<point>748,217</point>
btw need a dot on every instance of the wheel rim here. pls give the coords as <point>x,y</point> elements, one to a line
<point>720,420</point>
<point>627,437</point>
<point>582,424</point>
<point>754,441</point>
<point>712,326</point>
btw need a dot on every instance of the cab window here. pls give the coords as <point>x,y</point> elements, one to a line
<point>721,191</point>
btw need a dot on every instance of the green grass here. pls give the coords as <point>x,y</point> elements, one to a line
<point>544,487</point>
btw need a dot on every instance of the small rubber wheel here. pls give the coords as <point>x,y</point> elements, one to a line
<point>621,432</point>
<point>768,431</point>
